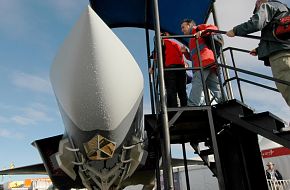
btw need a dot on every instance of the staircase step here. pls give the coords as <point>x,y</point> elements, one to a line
<point>204,156</point>
<point>196,117</point>
<point>265,120</point>
<point>285,130</point>
<point>206,152</point>
<point>256,124</point>
<point>235,107</point>
<point>284,133</point>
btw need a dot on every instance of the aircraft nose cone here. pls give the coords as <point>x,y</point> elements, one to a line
<point>95,79</point>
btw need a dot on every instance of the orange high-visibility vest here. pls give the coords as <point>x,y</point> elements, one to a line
<point>206,54</point>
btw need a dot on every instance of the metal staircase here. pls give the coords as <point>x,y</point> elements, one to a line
<point>265,124</point>
<point>229,130</point>
<point>236,127</point>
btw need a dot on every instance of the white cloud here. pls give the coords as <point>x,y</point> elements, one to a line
<point>31,116</point>
<point>31,82</point>
<point>10,134</point>
<point>22,120</point>
<point>38,115</point>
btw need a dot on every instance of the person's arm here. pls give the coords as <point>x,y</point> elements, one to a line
<point>278,175</point>
<point>203,27</point>
<point>185,52</point>
<point>268,175</point>
<point>154,57</point>
<point>257,22</point>
<point>207,27</point>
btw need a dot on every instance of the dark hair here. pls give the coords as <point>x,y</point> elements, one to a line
<point>164,33</point>
<point>188,21</point>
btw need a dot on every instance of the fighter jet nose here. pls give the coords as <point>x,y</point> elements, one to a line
<point>97,82</point>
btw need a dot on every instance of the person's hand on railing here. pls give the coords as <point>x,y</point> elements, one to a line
<point>230,33</point>
<point>183,49</point>
<point>198,34</point>
<point>254,52</point>
<point>185,52</point>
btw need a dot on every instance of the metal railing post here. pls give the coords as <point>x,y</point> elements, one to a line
<point>165,128</point>
<point>226,75</point>
<point>236,73</point>
<point>185,166</point>
<point>147,5</point>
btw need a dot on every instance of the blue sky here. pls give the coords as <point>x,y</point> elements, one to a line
<point>31,32</point>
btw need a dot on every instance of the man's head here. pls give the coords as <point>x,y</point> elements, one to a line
<point>186,26</point>
<point>270,165</point>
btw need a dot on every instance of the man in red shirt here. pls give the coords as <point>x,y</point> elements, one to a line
<point>175,80</point>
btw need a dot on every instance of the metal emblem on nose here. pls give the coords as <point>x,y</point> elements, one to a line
<point>99,148</point>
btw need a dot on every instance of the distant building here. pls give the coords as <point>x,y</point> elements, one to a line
<point>200,177</point>
<point>28,184</point>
